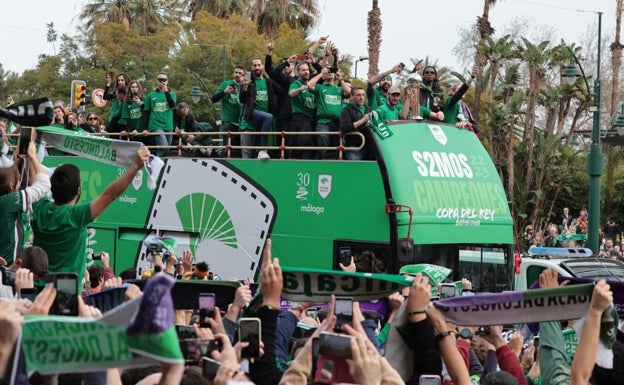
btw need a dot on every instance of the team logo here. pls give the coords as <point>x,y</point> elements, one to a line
<point>324,185</point>
<point>438,134</point>
<point>138,180</point>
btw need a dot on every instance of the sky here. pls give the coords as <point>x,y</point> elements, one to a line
<point>410,28</point>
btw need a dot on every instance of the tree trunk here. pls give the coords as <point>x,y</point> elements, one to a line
<point>616,62</point>
<point>374,39</point>
<point>485,30</point>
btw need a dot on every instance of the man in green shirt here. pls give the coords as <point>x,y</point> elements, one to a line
<point>303,110</point>
<point>227,94</point>
<point>329,98</point>
<point>60,226</point>
<point>392,109</point>
<point>377,95</point>
<point>158,108</point>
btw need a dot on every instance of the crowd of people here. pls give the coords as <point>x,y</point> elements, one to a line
<point>303,93</point>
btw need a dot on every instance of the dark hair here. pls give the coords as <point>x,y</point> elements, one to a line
<point>499,378</point>
<point>435,86</point>
<point>35,259</point>
<point>240,67</point>
<point>202,266</point>
<point>126,78</point>
<point>353,89</point>
<point>129,273</point>
<point>8,175</point>
<point>65,183</point>
<point>602,376</point>
<point>96,273</point>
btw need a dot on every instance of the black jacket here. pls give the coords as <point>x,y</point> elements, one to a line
<point>248,97</point>
<point>350,114</point>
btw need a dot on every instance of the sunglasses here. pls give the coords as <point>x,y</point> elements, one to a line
<point>429,73</point>
<point>162,79</point>
<point>92,118</point>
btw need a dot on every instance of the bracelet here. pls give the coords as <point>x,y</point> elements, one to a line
<point>443,334</point>
<point>417,312</point>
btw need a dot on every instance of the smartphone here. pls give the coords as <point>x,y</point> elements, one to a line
<point>333,70</point>
<point>402,65</point>
<point>334,345</point>
<point>429,379</point>
<point>249,331</point>
<point>135,94</point>
<point>28,293</point>
<point>483,331</point>
<point>185,332</point>
<point>345,255</point>
<point>194,349</point>
<point>96,256</point>
<point>344,312</point>
<point>468,292</point>
<point>210,368</point>
<point>315,355</point>
<point>111,75</point>
<point>25,137</point>
<point>312,312</point>
<point>66,302</point>
<point>448,290</point>
<point>206,309</point>
<point>302,57</point>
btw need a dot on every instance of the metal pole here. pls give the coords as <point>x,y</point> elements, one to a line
<point>355,75</point>
<point>595,161</point>
<point>224,61</point>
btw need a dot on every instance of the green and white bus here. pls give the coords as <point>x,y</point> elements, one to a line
<point>433,196</point>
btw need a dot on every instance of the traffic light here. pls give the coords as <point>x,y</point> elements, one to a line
<point>78,95</point>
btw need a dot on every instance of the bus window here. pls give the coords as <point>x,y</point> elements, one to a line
<point>369,257</point>
<point>486,268</point>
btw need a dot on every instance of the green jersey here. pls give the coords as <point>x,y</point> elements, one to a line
<point>12,205</point>
<point>329,102</point>
<point>230,107</point>
<point>161,115</point>
<point>61,230</point>
<point>135,112</point>
<point>305,102</point>
<point>376,98</point>
<point>262,95</point>
<point>388,113</point>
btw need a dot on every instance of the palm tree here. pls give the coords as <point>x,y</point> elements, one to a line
<point>219,8</point>
<point>485,29</point>
<point>374,39</point>
<point>140,15</point>
<point>613,155</point>
<point>298,14</point>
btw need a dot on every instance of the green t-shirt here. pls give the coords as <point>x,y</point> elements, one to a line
<point>62,232</point>
<point>115,109</point>
<point>376,98</point>
<point>135,112</point>
<point>387,113</point>
<point>262,95</point>
<point>305,102</point>
<point>328,101</point>
<point>230,107</point>
<point>161,116</point>
<point>12,205</point>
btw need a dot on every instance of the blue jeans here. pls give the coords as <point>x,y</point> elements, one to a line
<point>322,140</point>
<point>261,121</point>
<point>162,140</point>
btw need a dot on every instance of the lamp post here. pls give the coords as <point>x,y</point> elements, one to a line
<point>361,58</point>
<point>595,161</point>
<point>197,94</point>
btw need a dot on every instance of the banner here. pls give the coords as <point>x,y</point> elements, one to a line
<point>379,125</point>
<point>138,333</point>
<point>305,285</point>
<point>111,151</point>
<point>552,304</point>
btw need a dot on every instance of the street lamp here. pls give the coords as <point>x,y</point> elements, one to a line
<point>361,58</point>
<point>197,94</point>
<point>595,162</point>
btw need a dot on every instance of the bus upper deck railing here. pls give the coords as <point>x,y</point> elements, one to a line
<point>283,147</point>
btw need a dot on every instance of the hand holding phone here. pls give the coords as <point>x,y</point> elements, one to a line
<point>344,312</point>
<point>206,309</point>
<point>25,137</point>
<point>210,368</point>
<point>66,301</point>
<point>249,331</point>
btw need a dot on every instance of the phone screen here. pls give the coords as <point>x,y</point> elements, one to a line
<point>447,290</point>
<point>210,368</point>
<point>343,311</point>
<point>249,331</point>
<point>66,302</point>
<point>335,345</point>
<point>24,140</point>
<point>345,255</point>
<point>206,308</point>
<point>429,379</point>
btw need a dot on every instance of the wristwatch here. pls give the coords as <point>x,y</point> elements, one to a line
<point>465,334</point>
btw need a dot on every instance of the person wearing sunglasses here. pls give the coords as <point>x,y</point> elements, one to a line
<point>430,91</point>
<point>158,108</point>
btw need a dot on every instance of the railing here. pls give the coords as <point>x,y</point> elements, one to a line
<point>229,135</point>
